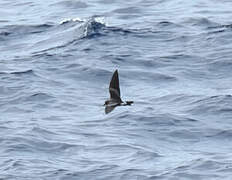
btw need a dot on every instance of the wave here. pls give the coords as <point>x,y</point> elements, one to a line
<point>23,72</point>
<point>33,143</point>
<point>17,30</point>
<point>201,22</point>
<point>212,105</point>
<point>227,26</point>
<point>221,134</point>
<point>39,97</point>
<point>68,32</point>
<point>18,102</point>
<point>95,26</point>
<point>127,10</point>
<point>72,31</point>
<point>198,168</point>
<point>30,71</point>
<point>71,4</point>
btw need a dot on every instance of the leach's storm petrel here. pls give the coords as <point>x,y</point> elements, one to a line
<point>115,99</point>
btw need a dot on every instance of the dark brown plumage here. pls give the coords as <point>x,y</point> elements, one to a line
<point>115,97</point>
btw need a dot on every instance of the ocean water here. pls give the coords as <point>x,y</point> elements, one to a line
<point>174,60</point>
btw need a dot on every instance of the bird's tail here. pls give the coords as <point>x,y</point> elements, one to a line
<point>129,102</point>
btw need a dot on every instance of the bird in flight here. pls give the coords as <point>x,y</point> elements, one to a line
<point>115,99</point>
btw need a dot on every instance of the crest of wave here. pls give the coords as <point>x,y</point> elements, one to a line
<point>69,31</point>
<point>89,26</point>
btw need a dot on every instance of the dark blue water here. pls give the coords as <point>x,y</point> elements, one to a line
<point>174,60</point>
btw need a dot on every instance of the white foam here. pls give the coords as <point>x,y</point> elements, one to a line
<point>71,20</point>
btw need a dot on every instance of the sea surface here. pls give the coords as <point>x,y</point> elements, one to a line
<point>174,60</point>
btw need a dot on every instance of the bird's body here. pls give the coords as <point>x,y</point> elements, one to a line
<point>115,99</point>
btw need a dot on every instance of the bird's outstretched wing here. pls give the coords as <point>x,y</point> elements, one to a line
<point>114,88</point>
<point>108,109</point>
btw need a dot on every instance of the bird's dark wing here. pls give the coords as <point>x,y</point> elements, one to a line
<point>114,87</point>
<point>108,109</point>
